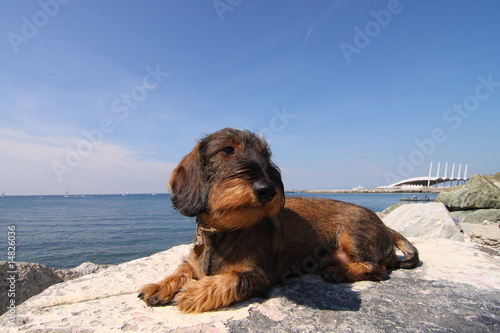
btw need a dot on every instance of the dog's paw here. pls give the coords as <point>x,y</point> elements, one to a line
<point>194,298</point>
<point>207,294</point>
<point>155,294</point>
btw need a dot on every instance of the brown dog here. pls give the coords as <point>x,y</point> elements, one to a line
<point>249,238</point>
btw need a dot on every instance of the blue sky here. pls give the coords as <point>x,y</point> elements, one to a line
<point>108,96</point>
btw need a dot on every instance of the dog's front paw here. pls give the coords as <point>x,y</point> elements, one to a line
<point>207,294</point>
<point>155,294</point>
<point>193,299</point>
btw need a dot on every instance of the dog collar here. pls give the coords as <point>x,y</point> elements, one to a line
<point>201,227</point>
<point>199,245</point>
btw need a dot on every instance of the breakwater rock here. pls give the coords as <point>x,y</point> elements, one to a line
<point>31,279</point>
<point>423,220</point>
<point>480,192</point>
<point>456,288</point>
<point>478,216</point>
<point>475,206</point>
<point>481,226</point>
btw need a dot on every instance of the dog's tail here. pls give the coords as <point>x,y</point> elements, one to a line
<point>410,252</point>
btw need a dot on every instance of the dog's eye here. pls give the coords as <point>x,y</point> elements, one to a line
<point>228,150</point>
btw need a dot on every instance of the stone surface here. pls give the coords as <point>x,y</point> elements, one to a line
<point>31,278</point>
<point>477,216</point>
<point>480,192</point>
<point>389,209</point>
<point>487,234</point>
<point>495,178</point>
<point>456,289</point>
<point>423,220</point>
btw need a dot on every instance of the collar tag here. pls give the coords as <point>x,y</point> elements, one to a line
<point>199,245</point>
<point>198,249</point>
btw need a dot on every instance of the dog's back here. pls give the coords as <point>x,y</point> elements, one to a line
<point>321,232</point>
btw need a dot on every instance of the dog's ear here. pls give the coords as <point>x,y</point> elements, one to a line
<point>189,190</point>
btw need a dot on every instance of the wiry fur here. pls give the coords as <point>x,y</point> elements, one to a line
<point>251,239</point>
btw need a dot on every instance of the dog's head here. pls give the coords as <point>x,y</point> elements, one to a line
<point>228,180</point>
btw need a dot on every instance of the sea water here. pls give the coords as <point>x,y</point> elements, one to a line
<point>63,232</point>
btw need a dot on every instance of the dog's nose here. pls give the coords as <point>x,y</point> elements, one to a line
<point>265,191</point>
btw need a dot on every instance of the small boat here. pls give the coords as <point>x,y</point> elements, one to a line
<point>3,195</point>
<point>415,198</point>
<point>68,195</point>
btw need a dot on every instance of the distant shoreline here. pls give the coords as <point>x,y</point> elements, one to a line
<point>373,190</point>
<point>379,190</point>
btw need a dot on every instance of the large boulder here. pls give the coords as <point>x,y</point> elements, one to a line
<point>454,290</point>
<point>480,192</point>
<point>31,279</point>
<point>495,178</point>
<point>389,209</point>
<point>478,216</point>
<point>485,234</point>
<point>423,220</point>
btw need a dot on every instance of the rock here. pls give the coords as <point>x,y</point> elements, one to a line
<point>488,234</point>
<point>495,178</point>
<point>480,192</point>
<point>32,279</point>
<point>423,220</point>
<point>476,216</point>
<point>389,209</point>
<point>81,270</point>
<point>453,290</point>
